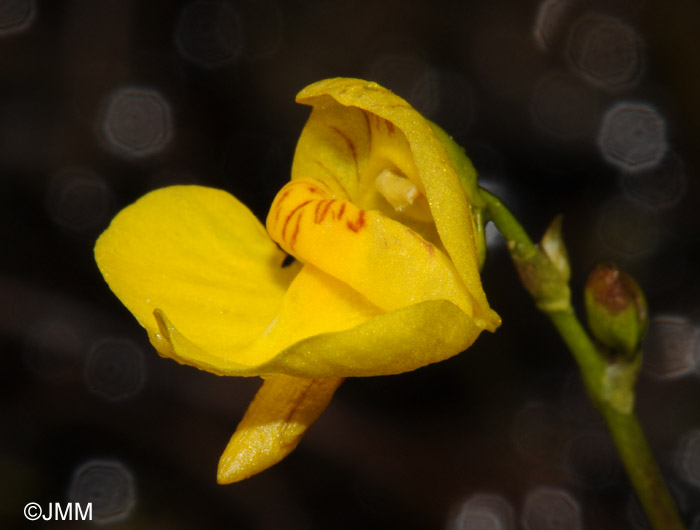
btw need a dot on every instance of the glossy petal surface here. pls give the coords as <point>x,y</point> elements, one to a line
<point>200,274</point>
<point>282,411</point>
<point>356,130</point>
<point>390,343</point>
<point>385,261</point>
<point>199,256</point>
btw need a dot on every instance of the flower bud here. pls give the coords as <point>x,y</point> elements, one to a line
<point>544,269</point>
<point>553,246</point>
<point>616,309</point>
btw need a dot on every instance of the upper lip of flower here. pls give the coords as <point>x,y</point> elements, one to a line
<point>366,130</point>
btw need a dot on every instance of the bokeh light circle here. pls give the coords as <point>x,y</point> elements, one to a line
<point>483,511</point>
<point>16,16</point>
<point>671,346</point>
<point>606,52</point>
<point>551,509</point>
<point>633,136</point>
<point>108,485</point>
<point>138,122</point>
<point>78,199</point>
<point>209,33</point>
<point>114,369</point>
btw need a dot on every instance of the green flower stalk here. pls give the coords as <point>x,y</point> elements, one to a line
<point>617,312</point>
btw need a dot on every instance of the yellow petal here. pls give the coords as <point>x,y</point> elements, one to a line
<point>334,147</point>
<point>200,257</point>
<point>385,261</point>
<point>392,343</point>
<point>356,130</point>
<point>315,303</point>
<point>282,411</point>
<point>326,329</point>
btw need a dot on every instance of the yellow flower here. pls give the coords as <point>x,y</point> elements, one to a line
<point>385,280</point>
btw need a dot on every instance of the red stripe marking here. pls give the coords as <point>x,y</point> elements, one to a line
<point>369,124</point>
<point>317,219</point>
<point>324,168</point>
<point>286,221</point>
<point>328,188</point>
<point>358,224</point>
<point>293,241</point>
<point>341,211</point>
<point>325,210</point>
<point>348,141</point>
<point>281,199</point>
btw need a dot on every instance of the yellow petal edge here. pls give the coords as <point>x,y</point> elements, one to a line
<point>201,257</point>
<point>337,102</point>
<point>281,413</point>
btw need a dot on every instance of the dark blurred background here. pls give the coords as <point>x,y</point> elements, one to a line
<point>583,107</point>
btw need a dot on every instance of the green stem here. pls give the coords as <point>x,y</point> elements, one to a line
<point>642,470</point>
<point>508,225</point>
<point>597,373</point>
<point>624,427</point>
<point>582,348</point>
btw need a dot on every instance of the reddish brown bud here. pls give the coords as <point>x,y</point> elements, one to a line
<point>616,308</point>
